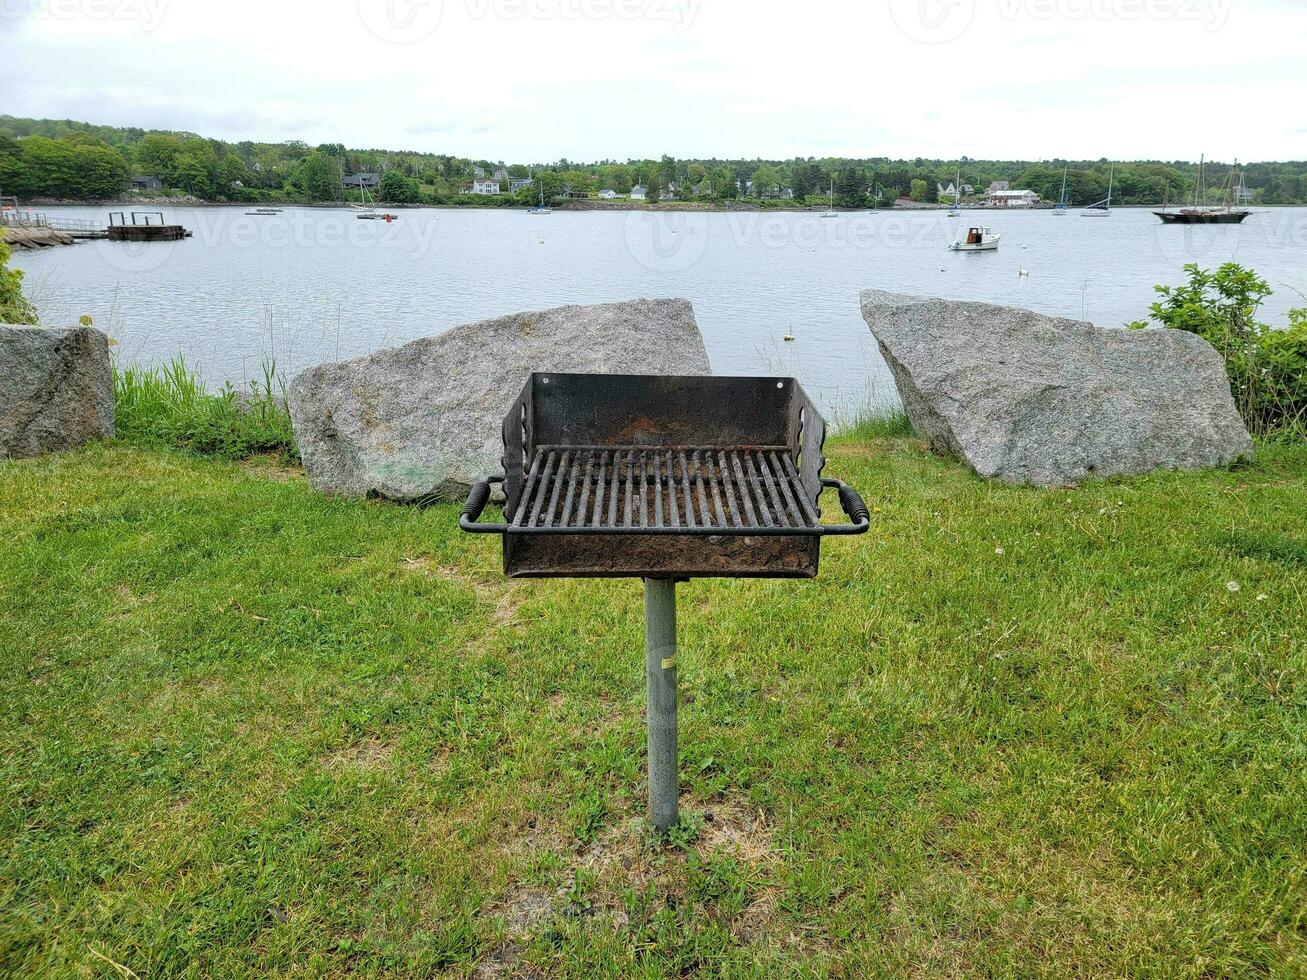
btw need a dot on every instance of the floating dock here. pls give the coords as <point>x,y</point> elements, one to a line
<point>143,226</point>
<point>146,233</point>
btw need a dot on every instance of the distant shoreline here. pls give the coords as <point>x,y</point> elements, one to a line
<point>576,205</point>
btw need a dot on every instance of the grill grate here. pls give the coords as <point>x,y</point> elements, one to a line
<point>680,489</point>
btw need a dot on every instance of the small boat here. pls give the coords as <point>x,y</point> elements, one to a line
<point>368,212</point>
<point>831,213</point>
<point>1103,208</point>
<point>1061,207</point>
<point>540,208</point>
<point>265,211</point>
<point>979,239</point>
<point>1198,215</point>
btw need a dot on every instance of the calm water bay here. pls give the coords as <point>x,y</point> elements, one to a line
<point>314,284</point>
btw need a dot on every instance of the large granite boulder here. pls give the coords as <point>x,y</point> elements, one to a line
<point>1036,399</point>
<point>423,421</point>
<point>56,389</point>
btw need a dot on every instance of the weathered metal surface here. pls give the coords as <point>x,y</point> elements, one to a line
<point>586,555</point>
<point>660,716</point>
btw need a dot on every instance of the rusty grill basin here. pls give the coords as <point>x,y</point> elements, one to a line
<point>652,476</point>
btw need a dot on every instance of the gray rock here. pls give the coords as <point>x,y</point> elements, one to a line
<point>1035,399</point>
<point>424,421</point>
<point>56,389</point>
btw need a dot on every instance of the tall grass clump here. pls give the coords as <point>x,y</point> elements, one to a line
<point>169,406</point>
<point>1267,366</point>
<point>879,422</point>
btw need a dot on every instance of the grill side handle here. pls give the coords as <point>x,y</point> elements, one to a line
<point>854,509</point>
<point>477,498</point>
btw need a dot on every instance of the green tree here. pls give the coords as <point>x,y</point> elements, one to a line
<point>919,189</point>
<point>667,171</point>
<point>396,188</point>
<point>189,174</point>
<point>154,155</point>
<point>723,183</point>
<point>316,178</point>
<point>653,191</point>
<point>766,179</point>
<point>232,171</point>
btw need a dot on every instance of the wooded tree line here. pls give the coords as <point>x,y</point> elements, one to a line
<point>80,161</point>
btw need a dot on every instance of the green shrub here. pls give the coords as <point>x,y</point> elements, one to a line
<point>169,406</point>
<point>14,306</point>
<point>1267,366</point>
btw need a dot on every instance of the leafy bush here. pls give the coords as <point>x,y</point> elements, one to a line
<point>1267,366</point>
<point>396,188</point>
<point>169,406</point>
<point>14,306</point>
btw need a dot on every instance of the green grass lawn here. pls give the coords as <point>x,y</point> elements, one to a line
<point>250,731</point>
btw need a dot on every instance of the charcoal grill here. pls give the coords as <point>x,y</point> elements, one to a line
<point>665,479</point>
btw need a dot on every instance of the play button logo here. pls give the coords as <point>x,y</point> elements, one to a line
<point>401,21</point>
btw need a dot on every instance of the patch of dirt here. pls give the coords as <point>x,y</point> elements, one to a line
<point>271,466</point>
<point>504,595</point>
<point>367,754</point>
<point>622,858</point>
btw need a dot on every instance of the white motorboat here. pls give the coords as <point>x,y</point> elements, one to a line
<point>979,239</point>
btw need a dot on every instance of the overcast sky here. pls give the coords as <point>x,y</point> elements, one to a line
<point>537,80</point>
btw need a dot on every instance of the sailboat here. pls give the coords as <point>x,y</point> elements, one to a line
<point>1061,206</point>
<point>540,208</point>
<point>1198,215</point>
<point>956,209</point>
<point>369,211</point>
<point>831,213</point>
<point>1103,208</point>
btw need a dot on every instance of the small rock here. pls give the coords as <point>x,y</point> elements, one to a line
<point>56,389</point>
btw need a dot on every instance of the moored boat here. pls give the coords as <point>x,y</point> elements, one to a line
<point>1199,215</point>
<point>979,239</point>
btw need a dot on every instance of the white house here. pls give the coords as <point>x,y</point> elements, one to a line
<point>607,194</point>
<point>487,187</point>
<point>638,192</point>
<point>1013,199</point>
<point>517,183</point>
